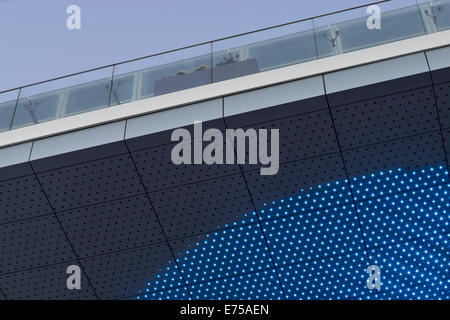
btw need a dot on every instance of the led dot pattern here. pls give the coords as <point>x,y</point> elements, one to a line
<point>415,269</point>
<point>251,286</point>
<point>320,254</point>
<point>340,277</point>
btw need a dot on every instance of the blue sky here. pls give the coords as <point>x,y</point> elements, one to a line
<point>36,44</point>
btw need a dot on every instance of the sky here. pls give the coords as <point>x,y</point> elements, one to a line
<point>36,44</point>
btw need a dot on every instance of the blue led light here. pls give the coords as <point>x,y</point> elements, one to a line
<point>226,253</point>
<point>313,235</point>
<point>405,216</point>
<point>318,240</point>
<point>319,197</point>
<point>415,270</point>
<point>341,277</point>
<point>254,286</point>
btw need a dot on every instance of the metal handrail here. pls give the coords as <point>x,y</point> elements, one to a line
<point>194,45</point>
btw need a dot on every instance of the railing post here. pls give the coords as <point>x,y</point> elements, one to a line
<point>15,109</point>
<point>315,38</point>
<point>111,85</point>
<point>212,62</point>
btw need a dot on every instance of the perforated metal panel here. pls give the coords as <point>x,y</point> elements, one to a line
<point>407,153</point>
<point>202,207</point>
<point>386,118</point>
<point>303,136</point>
<point>44,283</point>
<point>446,134</point>
<point>163,138</point>
<point>159,172</point>
<point>296,176</point>
<point>443,101</point>
<point>124,273</point>
<point>111,226</point>
<point>279,111</point>
<point>22,198</point>
<point>32,243</point>
<point>379,89</point>
<point>91,182</point>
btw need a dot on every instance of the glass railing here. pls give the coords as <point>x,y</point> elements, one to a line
<point>219,60</point>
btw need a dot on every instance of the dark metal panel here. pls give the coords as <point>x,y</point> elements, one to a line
<point>446,134</point>
<point>277,112</point>
<point>164,137</point>
<point>32,243</point>
<point>295,179</point>
<point>302,136</point>
<point>406,153</point>
<point>380,89</point>
<point>22,198</point>
<point>443,101</point>
<point>46,283</point>
<point>15,171</point>
<point>81,156</point>
<point>159,172</point>
<point>441,75</point>
<point>203,207</point>
<point>126,273</point>
<point>91,183</point>
<point>112,226</point>
<point>386,118</point>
